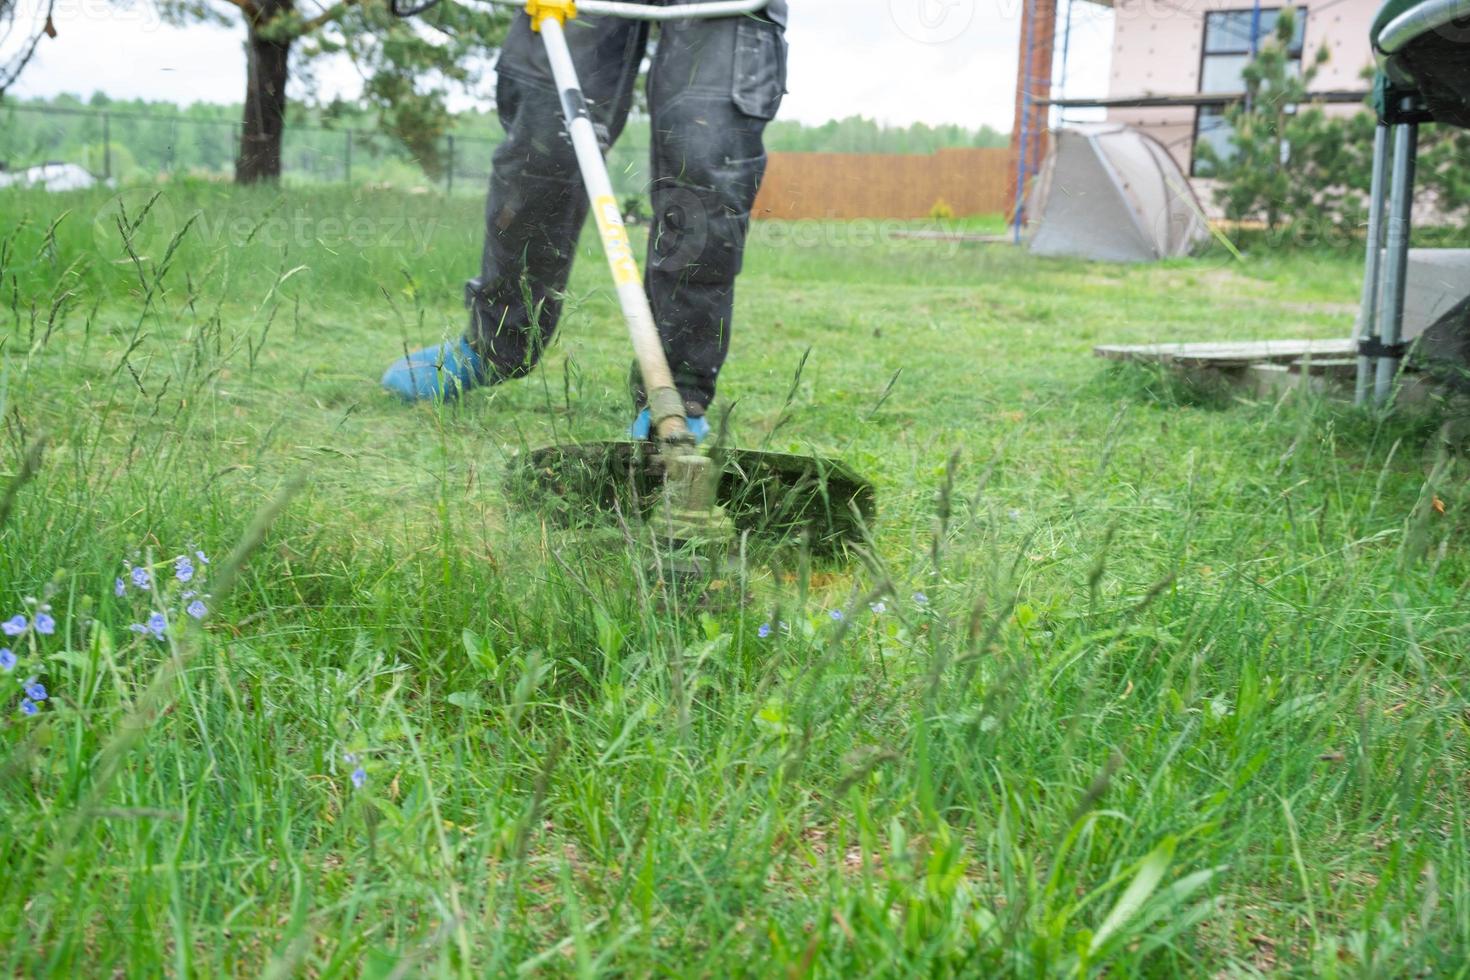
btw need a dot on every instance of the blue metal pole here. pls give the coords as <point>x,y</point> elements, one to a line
<point>1021,149</point>
<point>1066,51</point>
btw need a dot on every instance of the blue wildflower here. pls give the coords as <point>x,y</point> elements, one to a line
<point>203,559</point>
<point>879,608</point>
<point>28,707</point>
<point>119,588</point>
<point>764,631</point>
<point>197,609</point>
<point>836,615</point>
<point>141,578</point>
<point>14,626</point>
<point>359,777</point>
<point>920,599</point>
<point>157,625</point>
<point>183,568</point>
<point>35,690</point>
<point>7,660</point>
<point>45,625</point>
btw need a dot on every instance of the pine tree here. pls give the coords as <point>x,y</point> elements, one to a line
<point>1286,157</point>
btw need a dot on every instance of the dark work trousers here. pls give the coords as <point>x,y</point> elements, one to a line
<point>712,87</point>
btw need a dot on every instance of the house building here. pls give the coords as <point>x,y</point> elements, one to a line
<point>1197,48</point>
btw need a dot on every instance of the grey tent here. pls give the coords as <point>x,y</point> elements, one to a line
<point>1111,193</point>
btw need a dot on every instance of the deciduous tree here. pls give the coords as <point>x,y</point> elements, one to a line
<point>409,67</point>
<point>20,36</point>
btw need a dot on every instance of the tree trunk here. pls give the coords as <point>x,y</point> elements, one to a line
<point>266,72</point>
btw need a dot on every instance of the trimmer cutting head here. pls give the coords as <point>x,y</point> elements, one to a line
<point>773,496</point>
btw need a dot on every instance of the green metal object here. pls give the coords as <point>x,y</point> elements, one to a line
<point>1424,69</point>
<point>1423,77</point>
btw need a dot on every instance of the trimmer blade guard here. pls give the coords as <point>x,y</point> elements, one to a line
<point>772,495</point>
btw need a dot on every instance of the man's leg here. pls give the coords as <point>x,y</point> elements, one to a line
<point>535,209</point>
<point>713,87</point>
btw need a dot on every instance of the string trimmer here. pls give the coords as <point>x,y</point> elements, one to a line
<point>696,501</point>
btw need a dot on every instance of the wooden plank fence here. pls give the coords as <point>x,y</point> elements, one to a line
<point>881,185</point>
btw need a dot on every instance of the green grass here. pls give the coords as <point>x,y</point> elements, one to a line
<point>1186,697</point>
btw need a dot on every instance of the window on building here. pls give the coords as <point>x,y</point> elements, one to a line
<point>1228,47</point>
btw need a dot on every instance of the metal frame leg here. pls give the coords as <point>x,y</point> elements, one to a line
<point>1396,258</point>
<point>1373,271</point>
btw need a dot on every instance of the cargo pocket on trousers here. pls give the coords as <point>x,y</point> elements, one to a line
<point>760,68</point>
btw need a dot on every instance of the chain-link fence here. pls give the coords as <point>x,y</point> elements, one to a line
<point>121,147</point>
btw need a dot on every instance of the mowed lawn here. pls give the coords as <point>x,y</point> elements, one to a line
<point>1131,678</point>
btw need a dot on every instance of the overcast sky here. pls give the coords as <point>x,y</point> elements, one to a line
<point>898,61</point>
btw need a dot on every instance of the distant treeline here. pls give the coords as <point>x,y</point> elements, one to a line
<point>856,134</point>
<point>149,138</point>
